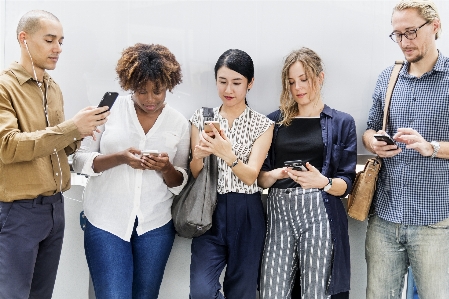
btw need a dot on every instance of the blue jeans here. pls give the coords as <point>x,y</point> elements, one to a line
<point>391,247</point>
<point>125,270</point>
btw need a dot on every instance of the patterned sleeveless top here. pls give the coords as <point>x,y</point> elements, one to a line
<point>245,130</point>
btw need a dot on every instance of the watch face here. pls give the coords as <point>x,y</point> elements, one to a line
<point>328,186</point>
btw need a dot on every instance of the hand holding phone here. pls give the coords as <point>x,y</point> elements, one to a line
<point>108,100</point>
<point>296,165</point>
<point>386,138</point>
<point>208,128</point>
<point>150,152</point>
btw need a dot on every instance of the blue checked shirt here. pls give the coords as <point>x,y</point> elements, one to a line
<point>412,189</point>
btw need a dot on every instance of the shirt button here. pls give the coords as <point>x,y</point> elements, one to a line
<point>326,200</point>
<point>56,174</point>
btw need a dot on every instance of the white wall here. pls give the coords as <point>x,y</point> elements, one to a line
<point>351,37</point>
<point>2,33</point>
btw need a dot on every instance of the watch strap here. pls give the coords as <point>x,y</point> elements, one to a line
<point>234,163</point>
<point>436,148</point>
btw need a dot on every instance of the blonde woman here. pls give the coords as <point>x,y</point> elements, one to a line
<point>307,224</point>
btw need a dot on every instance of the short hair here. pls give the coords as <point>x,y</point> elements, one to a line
<point>142,63</point>
<point>237,60</point>
<point>30,22</point>
<point>313,67</point>
<point>426,9</point>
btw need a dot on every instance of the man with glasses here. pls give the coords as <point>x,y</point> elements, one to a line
<point>410,223</point>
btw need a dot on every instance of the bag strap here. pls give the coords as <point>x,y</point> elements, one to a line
<point>393,79</point>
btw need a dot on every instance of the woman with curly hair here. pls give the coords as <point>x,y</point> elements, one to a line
<point>129,233</point>
<point>307,227</point>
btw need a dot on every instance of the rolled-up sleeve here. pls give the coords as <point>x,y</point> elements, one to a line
<point>181,158</point>
<point>83,159</point>
<point>346,169</point>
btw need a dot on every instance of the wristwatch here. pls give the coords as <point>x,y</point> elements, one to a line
<point>328,186</point>
<point>436,148</point>
<point>234,163</point>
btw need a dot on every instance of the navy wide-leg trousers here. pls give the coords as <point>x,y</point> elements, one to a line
<point>236,241</point>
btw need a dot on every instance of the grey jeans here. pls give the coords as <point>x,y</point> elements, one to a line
<point>391,247</point>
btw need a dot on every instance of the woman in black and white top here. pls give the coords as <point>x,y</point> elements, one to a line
<point>238,226</point>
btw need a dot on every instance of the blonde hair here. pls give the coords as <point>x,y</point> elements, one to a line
<point>313,67</point>
<point>426,9</point>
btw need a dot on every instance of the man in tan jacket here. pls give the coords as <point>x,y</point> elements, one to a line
<point>34,143</point>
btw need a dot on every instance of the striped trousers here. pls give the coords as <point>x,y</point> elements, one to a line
<point>298,235</point>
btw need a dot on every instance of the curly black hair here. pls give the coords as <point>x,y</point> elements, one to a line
<point>142,63</point>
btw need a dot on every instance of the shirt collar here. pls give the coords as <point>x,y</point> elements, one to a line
<point>439,65</point>
<point>327,111</point>
<point>22,75</point>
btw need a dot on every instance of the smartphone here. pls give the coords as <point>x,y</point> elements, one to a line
<point>149,152</point>
<point>385,138</point>
<point>108,100</point>
<point>208,128</point>
<point>296,165</point>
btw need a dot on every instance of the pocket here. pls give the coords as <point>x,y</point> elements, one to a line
<point>171,139</point>
<point>336,155</point>
<point>444,224</point>
<point>5,207</point>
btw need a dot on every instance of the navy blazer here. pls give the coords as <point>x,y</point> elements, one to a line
<point>339,161</point>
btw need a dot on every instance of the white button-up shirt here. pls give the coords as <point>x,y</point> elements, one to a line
<point>114,198</point>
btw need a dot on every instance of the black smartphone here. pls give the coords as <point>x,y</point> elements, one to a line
<point>385,138</point>
<point>296,165</point>
<point>108,100</point>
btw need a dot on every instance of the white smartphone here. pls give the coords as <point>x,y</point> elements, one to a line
<point>208,128</point>
<point>149,152</point>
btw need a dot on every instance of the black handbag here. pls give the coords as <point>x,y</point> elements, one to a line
<point>193,207</point>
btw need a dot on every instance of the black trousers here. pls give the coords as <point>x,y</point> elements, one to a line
<point>31,233</point>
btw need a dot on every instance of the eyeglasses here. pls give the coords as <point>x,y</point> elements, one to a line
<point>409,34</point>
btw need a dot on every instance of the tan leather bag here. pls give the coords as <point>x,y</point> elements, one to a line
<point>359,201</point>
<point>364,187</point>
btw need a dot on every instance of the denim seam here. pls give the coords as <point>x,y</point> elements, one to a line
<point>6,219</point>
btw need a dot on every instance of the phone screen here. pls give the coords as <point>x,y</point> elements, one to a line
<point>385,138</point>
<point>108,100</point>
<point>149,152</point>
<point>296,165</point>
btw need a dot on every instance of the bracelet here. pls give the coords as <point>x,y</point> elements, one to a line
<point>234,163</point>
